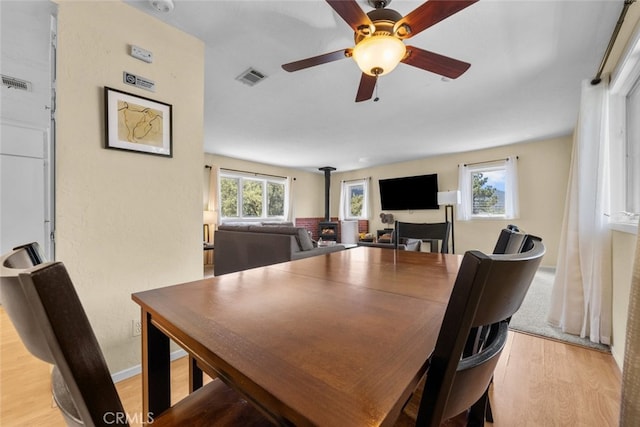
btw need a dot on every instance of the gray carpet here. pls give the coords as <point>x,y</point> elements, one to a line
<point>531,318</point>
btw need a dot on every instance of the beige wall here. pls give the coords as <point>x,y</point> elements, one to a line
<point>542,192</point>
<point>308,188</point>
<point>624,247</point>
<point>543,169</point>
<point>126,222</point>
<point>630,24</point>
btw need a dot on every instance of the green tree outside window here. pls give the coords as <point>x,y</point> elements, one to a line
<point>252,198</point>
<point>229,197</point>
<point>485,196</point>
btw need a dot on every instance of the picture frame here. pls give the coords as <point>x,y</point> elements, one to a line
<point>139,124</point>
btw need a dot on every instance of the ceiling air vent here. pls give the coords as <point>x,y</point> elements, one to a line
<point>251,77</point>
<point>13,83</point>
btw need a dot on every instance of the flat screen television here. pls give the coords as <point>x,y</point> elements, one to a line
<point>409,193</point>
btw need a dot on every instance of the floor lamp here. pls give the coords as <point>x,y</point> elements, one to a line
<point>448,199</point>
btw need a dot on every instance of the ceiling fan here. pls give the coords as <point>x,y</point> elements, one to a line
<point>379,45</point>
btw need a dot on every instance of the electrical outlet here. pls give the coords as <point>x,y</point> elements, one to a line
<point>136,327</point>
<point>141,54</point>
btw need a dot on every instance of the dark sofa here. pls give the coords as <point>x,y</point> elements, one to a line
<point>242,246</point>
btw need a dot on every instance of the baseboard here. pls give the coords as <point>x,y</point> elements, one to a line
<point>137,369</point>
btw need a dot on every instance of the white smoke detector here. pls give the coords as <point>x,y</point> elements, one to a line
<point>164,6</point>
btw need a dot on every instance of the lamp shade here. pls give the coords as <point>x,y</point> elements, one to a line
<point>209,217</point>
<point>379,55</point>
<point>449,197</point>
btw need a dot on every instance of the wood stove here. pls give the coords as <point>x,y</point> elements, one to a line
<point>327,229</point>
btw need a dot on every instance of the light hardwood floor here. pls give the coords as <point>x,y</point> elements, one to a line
<point>537,383</point>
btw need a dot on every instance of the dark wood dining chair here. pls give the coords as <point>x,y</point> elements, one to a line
<point>512,241</point>
<point>487,291</point>
<point>435,233</point>
<point>14,301</point>
<point>54,327</point>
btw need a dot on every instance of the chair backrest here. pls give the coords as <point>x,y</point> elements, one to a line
<point>512,241</point>
<point>474,373</point>
<point>75,351</point>
<point>507,284</point>
<point>14,301</point>
<point>425,231</point>
<point>487,291</point>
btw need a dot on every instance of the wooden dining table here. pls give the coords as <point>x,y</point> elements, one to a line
<point>340,339</point>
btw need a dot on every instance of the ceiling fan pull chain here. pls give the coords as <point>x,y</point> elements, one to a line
<point>376,99</point>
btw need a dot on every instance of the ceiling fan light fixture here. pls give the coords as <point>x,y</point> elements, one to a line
<point>379,54</point>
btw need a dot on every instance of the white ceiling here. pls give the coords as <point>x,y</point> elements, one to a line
<point>528,59</point>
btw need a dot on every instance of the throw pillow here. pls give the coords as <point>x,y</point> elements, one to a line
<point>304,239</point>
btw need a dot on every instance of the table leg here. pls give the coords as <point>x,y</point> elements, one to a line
<point>156,369</point>
<point>195,375</point>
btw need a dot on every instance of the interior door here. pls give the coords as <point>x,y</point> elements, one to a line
<point>22,187</point>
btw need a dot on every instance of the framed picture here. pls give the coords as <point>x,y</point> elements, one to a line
<point>135,123</point>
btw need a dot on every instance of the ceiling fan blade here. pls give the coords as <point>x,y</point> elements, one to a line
<point>435,63</point>
<point>350,12</point>
<point>367,85</point>
<point>432,12</point>
<point>316,60</point>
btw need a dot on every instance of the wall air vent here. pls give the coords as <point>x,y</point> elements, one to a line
<point>13,83</point>
<point>251,77</point>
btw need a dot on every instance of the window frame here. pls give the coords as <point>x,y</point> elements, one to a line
<point>348,186</point>
<point>632,198</point>
<point>511,191</point>
<point>625,79</point>
<point>345,201</point>
<point>475,169</point>
<point>265,180</point>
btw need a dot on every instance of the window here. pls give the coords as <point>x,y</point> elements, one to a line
<point>487,195</point>
<point>354,199</point>
<point>489,190</point>
<point>248,197</point>
<point>624,109</point>
<point>632,202</point>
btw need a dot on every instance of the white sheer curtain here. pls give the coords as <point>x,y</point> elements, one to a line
<point>342,207</point>
<point>464,185</point>
<point>366,203</point>
<point>512,204</point>
<point>290,214</point>
<point>213,189</point>
<point>581,297</point>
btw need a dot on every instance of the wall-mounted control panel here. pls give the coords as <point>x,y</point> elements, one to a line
<point>141,54</point>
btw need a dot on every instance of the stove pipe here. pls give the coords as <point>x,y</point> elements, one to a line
<point>327,185</point>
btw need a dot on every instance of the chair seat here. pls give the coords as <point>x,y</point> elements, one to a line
<point>214,404</point>
<point>409,414</point>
